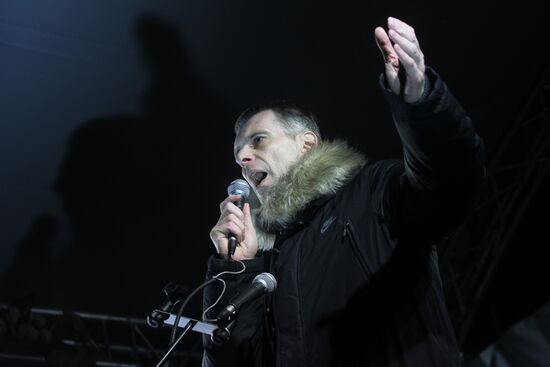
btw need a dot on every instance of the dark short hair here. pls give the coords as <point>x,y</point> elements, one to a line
<point>293,117</point>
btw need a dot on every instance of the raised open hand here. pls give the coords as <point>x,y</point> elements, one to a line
<point>402,55</point>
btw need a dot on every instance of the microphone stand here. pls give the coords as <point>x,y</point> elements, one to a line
<point>189,326</point>
<point>186,329</point>
<point>218,334</point>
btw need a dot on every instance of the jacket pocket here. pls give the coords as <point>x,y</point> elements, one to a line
<point>348,235</point>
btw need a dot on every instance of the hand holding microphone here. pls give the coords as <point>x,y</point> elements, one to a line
<point>235,225</point>
<point>237,187</point>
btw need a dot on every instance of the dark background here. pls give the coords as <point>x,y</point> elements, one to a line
<point>116,127</point>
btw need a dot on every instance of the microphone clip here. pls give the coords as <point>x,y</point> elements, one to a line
<point>173,294</point>
<point>222,334</point>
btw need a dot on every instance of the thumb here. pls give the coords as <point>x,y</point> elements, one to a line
<point>247,216</point>
<point>249,229</point>
<point>249,246</point>
<point>391,60</point>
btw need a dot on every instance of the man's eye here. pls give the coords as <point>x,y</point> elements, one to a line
<point>258,139</point>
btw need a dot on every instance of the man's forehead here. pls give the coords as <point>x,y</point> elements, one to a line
<point>261,122</point>
<point>260,119</point>
<point>264,120</point>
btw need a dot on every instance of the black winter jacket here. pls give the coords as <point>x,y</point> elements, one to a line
<point>356,267</point>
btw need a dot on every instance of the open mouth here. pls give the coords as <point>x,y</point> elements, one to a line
<point>257,177</point>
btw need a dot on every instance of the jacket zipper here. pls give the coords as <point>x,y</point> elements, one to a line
<point>350,233</point>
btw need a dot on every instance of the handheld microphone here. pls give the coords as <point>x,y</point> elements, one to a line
<point>237,187</point>
<point>174,293</point>
<point>262,283</point>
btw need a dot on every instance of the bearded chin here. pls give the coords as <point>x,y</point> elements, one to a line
<point>263,193</point>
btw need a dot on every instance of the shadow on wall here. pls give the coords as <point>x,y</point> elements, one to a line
<point>29,279</point>
<point>132,188</point>
<point>125,183</point>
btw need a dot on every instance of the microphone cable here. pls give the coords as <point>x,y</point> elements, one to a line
<point>204,318</point>
<point>174,332</point>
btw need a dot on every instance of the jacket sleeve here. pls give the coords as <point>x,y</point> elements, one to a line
<point>444,161</point>
<point>244,347</point>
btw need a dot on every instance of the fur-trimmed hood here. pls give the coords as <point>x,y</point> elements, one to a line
<point>322,171</point>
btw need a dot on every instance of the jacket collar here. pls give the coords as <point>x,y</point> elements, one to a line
<point>312,181</point>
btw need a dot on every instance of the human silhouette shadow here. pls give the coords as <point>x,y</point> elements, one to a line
<point>28,280</point>
<point>135,186</point>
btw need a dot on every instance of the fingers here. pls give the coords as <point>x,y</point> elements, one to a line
<point>404,37</point>
<point>230,199</point>
<point>411,48</point>
<point>408,62</point>
<point>235,226</point>
<point>403,29</point>
<point>246,216</point>
<point>231,221</point>
<point>385,46</point>
<point>249,246</point>
<point>391,60</point>
<point>239,223</point>
<point>410,57</point>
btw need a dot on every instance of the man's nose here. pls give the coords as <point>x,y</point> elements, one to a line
<point>244,156</point>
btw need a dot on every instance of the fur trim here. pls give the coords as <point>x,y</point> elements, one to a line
<point>322,171</point>
<point>265,240</point>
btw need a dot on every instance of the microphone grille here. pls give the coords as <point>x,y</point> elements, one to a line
<point>239,187</point>
<point>267,280</point>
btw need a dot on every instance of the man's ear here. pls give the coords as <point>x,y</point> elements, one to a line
<point>309,139</point>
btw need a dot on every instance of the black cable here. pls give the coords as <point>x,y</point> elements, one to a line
<point>182,307</point>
